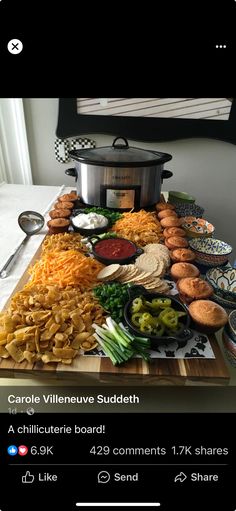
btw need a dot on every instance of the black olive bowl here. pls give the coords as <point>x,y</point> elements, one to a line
<point>115,260</point>
<point>184,334</point>
<point>91,232</point>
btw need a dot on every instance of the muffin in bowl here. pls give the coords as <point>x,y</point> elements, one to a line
<point>183,270</point>
<point>194,288</point>
<point>207,315</point>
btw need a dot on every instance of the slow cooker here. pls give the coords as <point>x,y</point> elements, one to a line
<point>119,176</point>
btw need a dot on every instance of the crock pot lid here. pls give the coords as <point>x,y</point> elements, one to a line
<point>120,155</point>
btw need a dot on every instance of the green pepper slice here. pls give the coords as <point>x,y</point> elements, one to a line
<point>135,319</point>
<point>146,328</point>
<point>170,320</point>
<point>159,330</point>
<point>136,304</point>
<point>161,303</point>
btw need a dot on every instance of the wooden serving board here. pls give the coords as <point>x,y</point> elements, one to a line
<point>156,372</point>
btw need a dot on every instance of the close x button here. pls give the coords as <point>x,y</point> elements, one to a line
<point>15,46</point>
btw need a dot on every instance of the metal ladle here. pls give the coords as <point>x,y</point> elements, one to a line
<point>30,222</point>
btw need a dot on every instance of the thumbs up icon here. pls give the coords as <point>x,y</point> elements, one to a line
<point>27,478</point>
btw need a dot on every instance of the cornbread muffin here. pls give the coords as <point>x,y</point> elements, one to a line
<point>60,213</point>
<point>170,221</point>
<point>160,206</point>
<point>58,225</point>
<point>207,315</point>
<point>174,231</point>
<point>193,288</point>
<point>184,255</point>
<point>176,242</point>
<point>65,205</point>
<point>165,213</point>
<point>183,270</point>
<point>71,197</point>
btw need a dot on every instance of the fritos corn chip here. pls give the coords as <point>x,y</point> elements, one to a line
<point>49,323</point>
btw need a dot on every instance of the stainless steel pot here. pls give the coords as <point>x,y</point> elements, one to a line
<point>119,176</point>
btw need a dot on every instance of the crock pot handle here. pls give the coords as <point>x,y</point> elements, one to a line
<point>120,146</point>
<point>166,174</point>
<point>182,339</point>
<point>72,172</point>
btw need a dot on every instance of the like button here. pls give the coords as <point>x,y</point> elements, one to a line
<point>28,477</point>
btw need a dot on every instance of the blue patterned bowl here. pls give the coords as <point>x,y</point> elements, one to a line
<point>224,282</point>
<point>232,325</point>
<point>228,306</point>
<point>228,343</point>
<point>210,251</point>
<point>197,227</point>
<point>186,209</point>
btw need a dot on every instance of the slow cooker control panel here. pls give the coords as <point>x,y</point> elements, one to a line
<point>120,197</point>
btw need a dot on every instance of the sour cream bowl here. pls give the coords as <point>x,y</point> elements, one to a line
<point>88,224</point>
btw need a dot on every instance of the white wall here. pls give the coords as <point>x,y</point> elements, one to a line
<point>205,168</point>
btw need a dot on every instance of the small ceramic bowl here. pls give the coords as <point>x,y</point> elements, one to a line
<point>230,357</point>
<point>232,325</point>
<point>228,306</point>
<point>228,343</point>
<point>188,209</point>
<point>184,333</point>
<point>210,251</point>
<point>177,197</point>
<point>112,247</point>
<point>89,232</point>
<point>224,282</point>
<point>197,227</point>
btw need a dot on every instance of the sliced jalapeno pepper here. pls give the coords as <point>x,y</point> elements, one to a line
<point>136,304</point>
<point>161,303</point>
<point>146,328</point>
<point>135,318</point>
<point>159,329</point>
<point>180,314</point>
<point>170,319</point>
<point>164,312</point>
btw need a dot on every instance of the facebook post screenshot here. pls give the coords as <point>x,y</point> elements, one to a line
<point>118,304</point>
<point>117,257</point>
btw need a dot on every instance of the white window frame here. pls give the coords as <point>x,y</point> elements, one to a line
<point>15,164</point>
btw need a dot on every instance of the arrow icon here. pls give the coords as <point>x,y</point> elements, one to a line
<point>181,477</point>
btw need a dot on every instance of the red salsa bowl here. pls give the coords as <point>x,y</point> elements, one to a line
<point>115,250</point>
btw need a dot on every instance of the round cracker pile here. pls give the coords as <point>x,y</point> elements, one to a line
<point>146,271</point>
<point>159,251</point>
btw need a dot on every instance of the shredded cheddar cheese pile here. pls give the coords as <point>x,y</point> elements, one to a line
<point>141,227</point>
<point>65,268</point>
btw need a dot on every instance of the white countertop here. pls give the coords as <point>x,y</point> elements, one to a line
<point>14,199</point>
